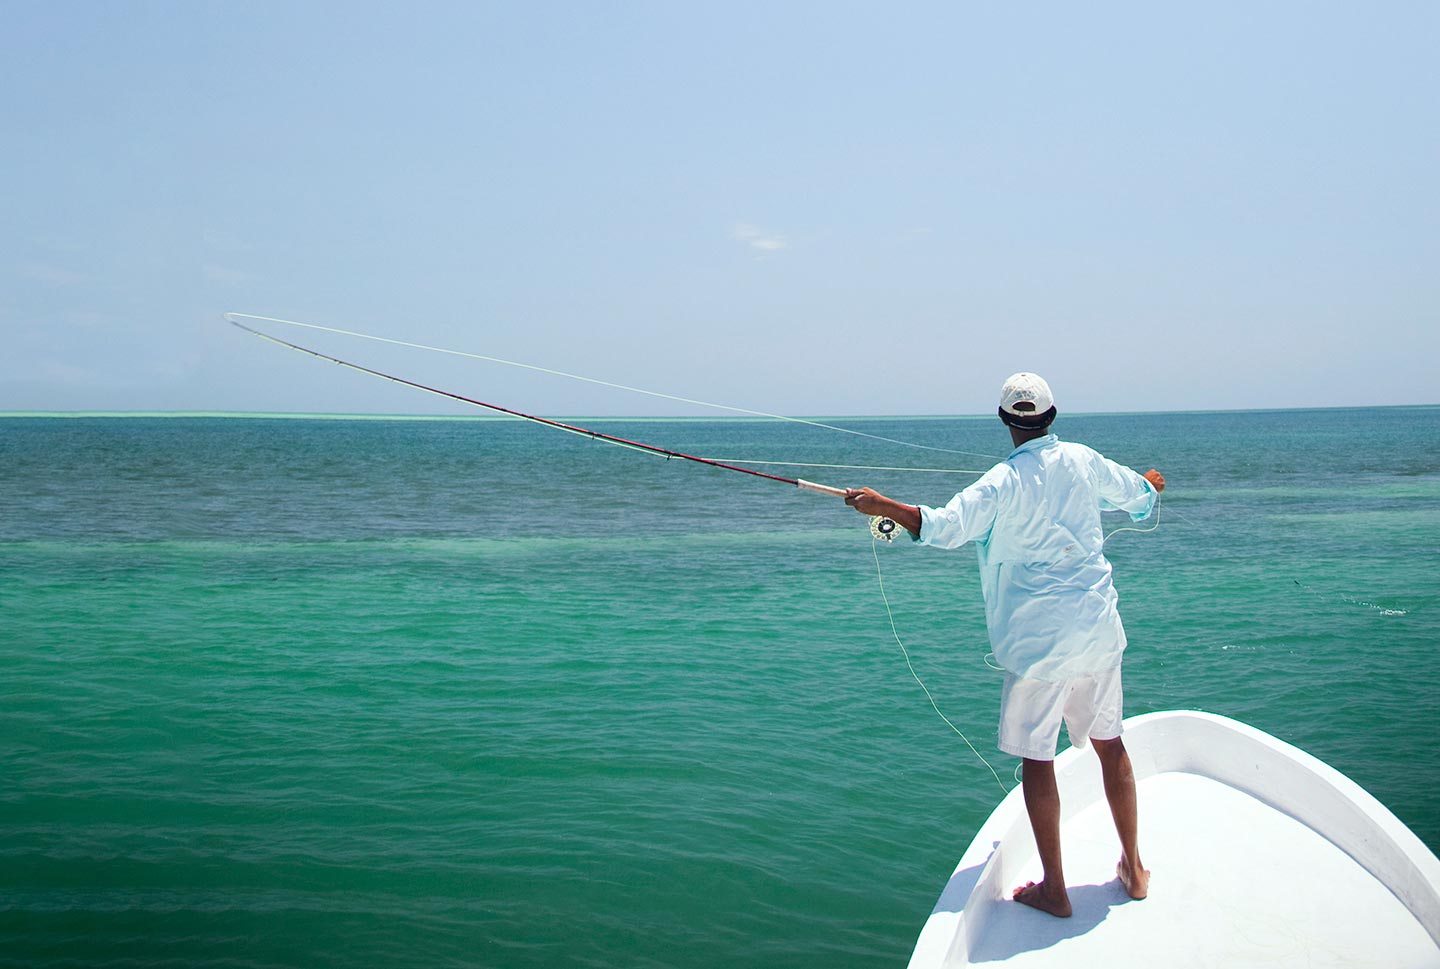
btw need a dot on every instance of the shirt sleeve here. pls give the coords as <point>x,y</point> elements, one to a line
<point>968,517</point>
<point>1122,489</point>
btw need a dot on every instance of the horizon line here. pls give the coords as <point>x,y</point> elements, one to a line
<point>363,416</point>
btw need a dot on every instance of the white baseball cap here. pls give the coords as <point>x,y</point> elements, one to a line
<point>1026,395</point>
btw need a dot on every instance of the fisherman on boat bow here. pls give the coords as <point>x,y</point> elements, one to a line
<point>1050,608</point>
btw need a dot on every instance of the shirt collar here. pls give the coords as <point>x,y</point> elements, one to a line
<point>1035,445</point>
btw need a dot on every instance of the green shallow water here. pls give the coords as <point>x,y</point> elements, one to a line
<point>358,693</point>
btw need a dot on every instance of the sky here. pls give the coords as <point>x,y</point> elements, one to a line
<point>798,208</point>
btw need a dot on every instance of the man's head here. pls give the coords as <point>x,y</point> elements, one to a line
<point>1026,404</point>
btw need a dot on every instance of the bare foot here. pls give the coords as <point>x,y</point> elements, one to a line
<point>1135,879</point>
<point>1056,902</point>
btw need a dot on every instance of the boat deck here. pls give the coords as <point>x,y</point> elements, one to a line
<point>1235,884</point>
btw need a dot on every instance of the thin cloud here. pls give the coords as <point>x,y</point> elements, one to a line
<point>759,239</point>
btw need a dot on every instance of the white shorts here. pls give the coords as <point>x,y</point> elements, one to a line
<point>1031,711</point>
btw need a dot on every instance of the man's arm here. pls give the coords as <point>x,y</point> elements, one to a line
<point>868,501</point>
<point>1121,488</point>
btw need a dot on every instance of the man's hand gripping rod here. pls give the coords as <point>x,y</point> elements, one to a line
<point>881,527</point>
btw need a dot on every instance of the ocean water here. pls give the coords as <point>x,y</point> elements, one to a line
<point>362,693</point>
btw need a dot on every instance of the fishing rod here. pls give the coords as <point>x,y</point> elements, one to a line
<point>800,483</point>
<point>232,317</point>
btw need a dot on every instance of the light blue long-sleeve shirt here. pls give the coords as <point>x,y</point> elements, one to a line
<point>1050,605</point>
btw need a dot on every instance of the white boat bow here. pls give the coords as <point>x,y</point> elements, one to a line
<point>1261,855</point>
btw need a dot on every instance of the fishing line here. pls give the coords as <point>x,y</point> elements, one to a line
<point>1383,610</point>
<point>880,577</point>
<point>548,422</point>
<point>852,467</point>
<point>1128,528</point>
<point>1352,600</point>
<point>232,318</point>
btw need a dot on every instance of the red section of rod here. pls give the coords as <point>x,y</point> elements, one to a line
<point>597,435</point>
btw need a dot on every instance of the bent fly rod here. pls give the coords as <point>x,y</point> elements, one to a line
<point>800,483</point>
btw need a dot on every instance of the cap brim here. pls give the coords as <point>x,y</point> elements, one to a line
<point>1028,422</point>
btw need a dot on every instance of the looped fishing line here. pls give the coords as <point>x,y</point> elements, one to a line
<point>1128,528</point>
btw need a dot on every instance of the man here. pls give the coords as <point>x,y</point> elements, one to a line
<point>1050,608</point>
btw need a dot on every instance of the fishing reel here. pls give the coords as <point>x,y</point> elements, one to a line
<point>883,529</point>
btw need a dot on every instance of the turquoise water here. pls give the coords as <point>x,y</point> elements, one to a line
<point>478,693</point>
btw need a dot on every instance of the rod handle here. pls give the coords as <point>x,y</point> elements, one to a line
<point>804,485</point>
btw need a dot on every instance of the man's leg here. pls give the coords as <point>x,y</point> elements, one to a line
<point>1042,803</point>
<point>1120,792</point>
